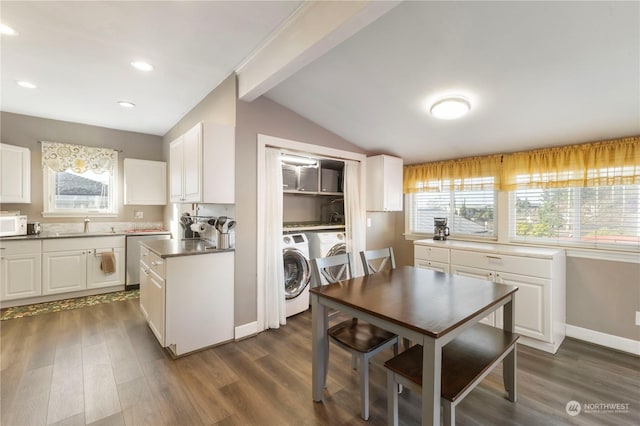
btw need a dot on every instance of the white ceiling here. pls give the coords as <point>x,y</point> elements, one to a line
<point>537,73</point>
<point>78,54</point>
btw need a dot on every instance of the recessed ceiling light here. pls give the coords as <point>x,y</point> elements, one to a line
<point>26,84</point>
<point>142,66</point>
<point>7,30</point>
<point>450,108</point>
<point>126,104</point>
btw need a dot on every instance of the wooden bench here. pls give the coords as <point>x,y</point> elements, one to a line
<point>466,360</point>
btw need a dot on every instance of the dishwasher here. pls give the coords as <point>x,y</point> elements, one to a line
<point>133,257</point>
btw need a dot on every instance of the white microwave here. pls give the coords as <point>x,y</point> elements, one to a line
<point>13,225</point>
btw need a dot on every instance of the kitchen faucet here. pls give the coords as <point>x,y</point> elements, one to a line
<point>86,224</point>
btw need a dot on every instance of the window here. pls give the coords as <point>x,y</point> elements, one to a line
<point>594,216</point>
<point>469,212</point>
<point>79,180</point>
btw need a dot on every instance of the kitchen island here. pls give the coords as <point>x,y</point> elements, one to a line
<point>187,293</point>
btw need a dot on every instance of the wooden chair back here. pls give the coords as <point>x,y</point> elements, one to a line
<point>327,270</point>
<point>377,260</point>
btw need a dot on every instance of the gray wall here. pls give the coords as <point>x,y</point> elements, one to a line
<point>26,131</point>
<point>603,296</point>
<point>269,118</point>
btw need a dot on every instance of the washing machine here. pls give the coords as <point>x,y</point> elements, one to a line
<point>325,244</point>
<point>297,273</point>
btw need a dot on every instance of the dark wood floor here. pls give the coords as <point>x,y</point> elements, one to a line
<point>102,366</point>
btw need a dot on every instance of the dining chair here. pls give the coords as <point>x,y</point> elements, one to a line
<point>361,339</point>
<point>377,260</point>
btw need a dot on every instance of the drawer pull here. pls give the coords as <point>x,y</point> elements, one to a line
<point>494,257</point>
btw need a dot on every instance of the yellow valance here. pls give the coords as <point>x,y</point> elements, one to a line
<point>614,162</point>
<point>473,173</point>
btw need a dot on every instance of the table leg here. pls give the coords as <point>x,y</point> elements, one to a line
<point>509,364</point>
<point>319,348</point>
<point>431,381</point>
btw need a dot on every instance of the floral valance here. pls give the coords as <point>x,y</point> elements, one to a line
<point>60,157</point>
<point>614,162</point>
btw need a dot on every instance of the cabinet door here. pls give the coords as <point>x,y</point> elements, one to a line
<point>15,174</point>
<point>64,271</point>
<point>96,277</point>
<point>434,266</point>
<point>20,276</point>
<point>145,281</point>
<point>175,170</point>
<point>533,305</point>
<point>481,274</point>
<point>145,182</point>
<point>156,306</point>
<point>192,164</point>
<point>384,183</point>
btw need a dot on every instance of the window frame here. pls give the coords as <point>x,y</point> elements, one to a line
<point>575,242</point>
<point>409,209</point>
<point>48,192</point>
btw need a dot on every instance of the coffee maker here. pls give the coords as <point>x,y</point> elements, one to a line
<point>440,228</point>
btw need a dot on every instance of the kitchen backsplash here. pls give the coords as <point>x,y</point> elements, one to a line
<point>65,228</point>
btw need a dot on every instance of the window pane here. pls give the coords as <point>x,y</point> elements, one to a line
<point>610,215</point>
<point>600,216</point>
<point>81,191</point>
<point>468,212</point>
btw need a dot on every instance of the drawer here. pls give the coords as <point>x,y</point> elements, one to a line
<point>434,266</point>
<point>156,264</point>
<point>504,263</point>
<point>436,254</point>
<point>20,247</point>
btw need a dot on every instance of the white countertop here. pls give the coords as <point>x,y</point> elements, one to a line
<point>505,249</point>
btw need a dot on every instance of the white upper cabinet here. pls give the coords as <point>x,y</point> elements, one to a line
<point>202,165</point>
<point>145,182</point>
<point>384,183</point>
<point>15,174</point>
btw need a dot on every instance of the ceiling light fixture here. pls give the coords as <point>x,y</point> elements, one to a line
<point>126,104</point>
<point>26,84</point>
<point>7,30</point>
<point>142,66</point>
<point>450,108</point>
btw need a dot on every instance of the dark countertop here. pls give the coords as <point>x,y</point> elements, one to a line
<point>49,235</point>
<point>175,248</point>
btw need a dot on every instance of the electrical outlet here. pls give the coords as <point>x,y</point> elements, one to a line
<point>637,317</point>
<point>138,215</point>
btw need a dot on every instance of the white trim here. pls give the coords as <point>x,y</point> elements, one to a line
<point>263,141</point>
<point>246,330</point>
<point>603,339</point>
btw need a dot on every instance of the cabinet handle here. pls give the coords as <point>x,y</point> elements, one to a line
<point>158,262</point>
<point>494,257</point>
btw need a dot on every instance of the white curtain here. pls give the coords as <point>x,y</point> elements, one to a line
<point>274,309</point>
<point>354,212</point>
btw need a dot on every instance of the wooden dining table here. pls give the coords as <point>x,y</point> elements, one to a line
<point>429,308</point>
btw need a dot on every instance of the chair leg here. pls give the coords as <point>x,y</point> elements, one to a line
<point>354,361</point>
<point>448,413</point>
<point>364,387</point>
<point>406,343</point>
<point>392,400</point>
<point>326,369</point>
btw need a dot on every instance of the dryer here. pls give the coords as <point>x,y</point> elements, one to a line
<point>297,273</point>
<point>325,244</point>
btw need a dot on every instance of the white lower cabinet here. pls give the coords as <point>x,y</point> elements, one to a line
<point>188,301</point>
<point>74,264</point>
<point>539,274</point>
<point>20,270</point>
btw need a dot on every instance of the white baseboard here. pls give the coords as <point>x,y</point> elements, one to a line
<point>603,339</point>
<point>246,330</point>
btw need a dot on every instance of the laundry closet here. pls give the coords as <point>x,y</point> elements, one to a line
<point>313,220</point>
